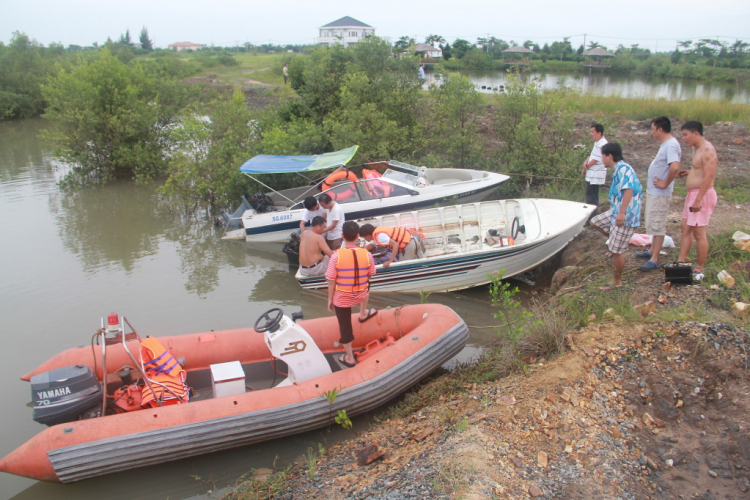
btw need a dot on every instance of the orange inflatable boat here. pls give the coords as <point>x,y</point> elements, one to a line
<point>127,402</point>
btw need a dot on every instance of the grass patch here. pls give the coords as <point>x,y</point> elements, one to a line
<point>644,108</point>
<point>723,255</point>
<point>732,188</point>
<point>706,111</point>
<point>249,488</point>
<point>580,306</point>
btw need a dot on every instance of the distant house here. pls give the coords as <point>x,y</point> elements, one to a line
<point>180,46</point>
<point>425,50</point>
<point>346,31</point>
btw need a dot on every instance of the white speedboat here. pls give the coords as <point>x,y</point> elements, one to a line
<point>394,187</point>
<point>465,244</point>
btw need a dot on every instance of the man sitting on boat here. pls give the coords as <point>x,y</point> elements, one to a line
<point>405,244</point>
<point>313,249</point>
<point>312,210</point>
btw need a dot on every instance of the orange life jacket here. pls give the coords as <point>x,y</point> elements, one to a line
<point>165,374</point>
<point>400,234</point>
<point>168,390</point>
<point>157,359</point>
<point>346,175</point>
<point>352,270</point>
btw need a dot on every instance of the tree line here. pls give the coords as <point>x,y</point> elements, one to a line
<point>114,119</point>
<point>689,59</point>
<point>26,65</point>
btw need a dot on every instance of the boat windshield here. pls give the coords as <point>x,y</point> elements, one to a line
<point>401,177</point>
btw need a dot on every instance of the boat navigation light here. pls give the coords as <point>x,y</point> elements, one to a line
<point>114,322</point>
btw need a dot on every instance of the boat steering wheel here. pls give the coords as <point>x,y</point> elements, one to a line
<point>271,322</point>
<point>516,228</point>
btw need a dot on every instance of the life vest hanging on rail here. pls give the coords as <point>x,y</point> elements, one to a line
<point>165,374</point>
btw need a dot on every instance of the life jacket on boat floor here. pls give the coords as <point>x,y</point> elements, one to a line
<point>169,390</point>
<point>165,374</point>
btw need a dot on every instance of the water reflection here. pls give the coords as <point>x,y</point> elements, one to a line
<point>628,86</point>
<point>112,225</point>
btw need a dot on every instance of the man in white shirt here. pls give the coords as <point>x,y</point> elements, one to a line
<point>594,170</point>
<point>312,210</point>
<point>661,175</point>
<point>335,221</point>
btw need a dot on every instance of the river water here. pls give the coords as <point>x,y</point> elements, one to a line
<point>70,258</point>
<point>629,86</point>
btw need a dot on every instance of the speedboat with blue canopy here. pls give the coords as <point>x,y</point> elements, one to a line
<point>364,191</point>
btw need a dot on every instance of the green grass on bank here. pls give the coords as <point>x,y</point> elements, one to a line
<point>706,111</point>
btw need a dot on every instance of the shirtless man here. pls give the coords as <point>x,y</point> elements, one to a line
<point>313,249</point>
<point>701,197</point>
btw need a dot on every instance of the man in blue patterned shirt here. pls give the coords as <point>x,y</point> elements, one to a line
<point>625,215</point>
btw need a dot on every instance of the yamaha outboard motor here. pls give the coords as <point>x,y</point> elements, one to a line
<point>63,394</point>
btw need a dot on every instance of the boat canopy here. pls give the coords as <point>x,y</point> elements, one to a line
<point>278,164</point>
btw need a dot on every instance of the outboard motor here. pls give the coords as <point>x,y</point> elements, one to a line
<point>63,394</point>
<point>291,248</point>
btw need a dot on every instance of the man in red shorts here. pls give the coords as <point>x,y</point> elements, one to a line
<point>701,197</point>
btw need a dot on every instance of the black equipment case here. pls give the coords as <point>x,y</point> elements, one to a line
<point>678,273</point>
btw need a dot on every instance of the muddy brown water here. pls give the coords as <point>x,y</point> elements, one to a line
<point>70,258</point>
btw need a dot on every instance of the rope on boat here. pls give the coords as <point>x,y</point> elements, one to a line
<point>397,313</point>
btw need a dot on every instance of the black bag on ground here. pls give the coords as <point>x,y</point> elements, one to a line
<point>678,273</point>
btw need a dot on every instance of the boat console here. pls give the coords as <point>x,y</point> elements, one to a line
<point>290,343</point>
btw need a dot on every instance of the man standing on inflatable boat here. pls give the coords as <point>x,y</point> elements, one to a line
<point>349,273</point>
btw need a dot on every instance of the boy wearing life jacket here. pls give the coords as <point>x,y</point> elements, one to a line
<point>406,244</point>
<point>349,273</point>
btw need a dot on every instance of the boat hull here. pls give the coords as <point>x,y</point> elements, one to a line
<point>459,270</point>
<point>431,335</point>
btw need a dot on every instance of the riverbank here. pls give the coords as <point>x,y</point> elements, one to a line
<point>634,407</point>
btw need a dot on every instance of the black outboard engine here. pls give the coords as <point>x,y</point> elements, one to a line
<point>63,394</point>
<point>291,248</point>
<point>261,202</point>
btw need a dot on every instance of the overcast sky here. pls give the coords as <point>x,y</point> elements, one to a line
<point>654,25</point>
